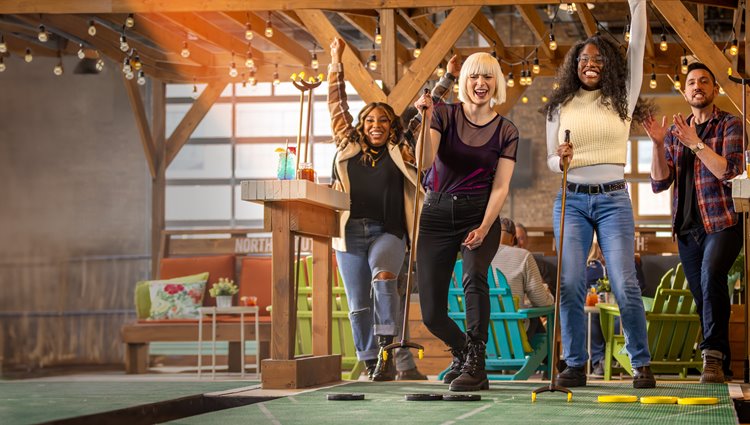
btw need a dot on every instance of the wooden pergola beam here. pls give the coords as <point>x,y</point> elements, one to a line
<point>422,67</point>
<point>322,29</point>
<point>366,26</point>
<point>296,51</point>
<point>683,22</point>
<point>151,6</point>
<point>537,27</point>
<point>587,19</point>
<point>192,118</point>
<point>488,31</point>
<point>141,121</point>
<point>389,66</point>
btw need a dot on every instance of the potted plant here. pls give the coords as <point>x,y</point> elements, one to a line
<point>223,291</point>
<point>603,288</point>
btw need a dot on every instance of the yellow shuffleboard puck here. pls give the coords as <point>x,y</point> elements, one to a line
<point>617,399</point>
<point>698,400</point>
<point>658,400</point>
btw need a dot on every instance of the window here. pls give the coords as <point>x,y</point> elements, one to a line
<point>648,207</point>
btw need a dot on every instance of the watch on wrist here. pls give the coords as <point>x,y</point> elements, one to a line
<point>698,147</point>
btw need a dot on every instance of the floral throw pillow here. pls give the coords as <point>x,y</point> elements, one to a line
<point>176,300</point>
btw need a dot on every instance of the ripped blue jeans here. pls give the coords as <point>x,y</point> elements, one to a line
<point>374,304</point>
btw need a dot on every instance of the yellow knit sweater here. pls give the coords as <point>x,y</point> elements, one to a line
<point>597,133</point>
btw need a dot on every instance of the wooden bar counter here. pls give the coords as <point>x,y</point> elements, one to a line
<point>299,208</point>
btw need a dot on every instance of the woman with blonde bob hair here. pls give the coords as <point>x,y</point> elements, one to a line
<point>470,152</point>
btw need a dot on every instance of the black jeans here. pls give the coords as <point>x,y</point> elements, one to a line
<point>445,222</point>
<point>706,260</point>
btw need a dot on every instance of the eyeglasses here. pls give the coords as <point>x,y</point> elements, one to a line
<point>596,60</point>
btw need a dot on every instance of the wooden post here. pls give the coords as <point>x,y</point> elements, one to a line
<point>159,182</point>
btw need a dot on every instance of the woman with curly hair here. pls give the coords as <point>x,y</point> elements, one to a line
<point>470,151</point>
<point>596,99</point>
<point>375,166</point>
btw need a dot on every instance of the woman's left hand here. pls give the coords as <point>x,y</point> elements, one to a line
<point>475,238</point>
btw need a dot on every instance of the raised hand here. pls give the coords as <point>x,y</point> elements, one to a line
<point>657,132</point>
<point>424,104</point>
<point>454,66</point>
<point>685,133</point>
<point>338,45</point>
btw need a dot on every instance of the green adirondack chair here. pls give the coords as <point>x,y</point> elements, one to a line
<point>341,330</point>
<point>508,347</point>
<point>673,329</point>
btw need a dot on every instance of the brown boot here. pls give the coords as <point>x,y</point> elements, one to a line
<point>459,357</point>
<point>473,376</point>
<point>713,369</point>
<point>412,374</point>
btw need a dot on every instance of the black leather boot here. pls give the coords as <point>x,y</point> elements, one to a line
<point>473,376</point>
<point>370,367</point>
<point>385,370</point>
<point>459,358</point>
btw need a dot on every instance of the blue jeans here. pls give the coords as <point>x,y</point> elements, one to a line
<point>610,215</point>
<point>374,304</point>
<point>706,260</point>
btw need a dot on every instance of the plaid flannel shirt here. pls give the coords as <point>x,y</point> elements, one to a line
<point>723,135</point>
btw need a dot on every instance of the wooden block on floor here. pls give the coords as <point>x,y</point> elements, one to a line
<point>300,373</point>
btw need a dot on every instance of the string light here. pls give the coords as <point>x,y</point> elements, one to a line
<point>571,7</point>
<point>545,99</point>
<point>663,46</point>
<point>417,50</point>
<point>552,42</point>
<point>81,53</point>
<point>494,50</point>
<point>185,52</point>
<point>510,82</point>
<point>652,83</point>
<point>28,57</point>
<point>248,32</point>
<point>676,83</point>
<point>2,65</point>
<point>3,46</point>
<point>440,71</point>
<point>58,69</point>
<point>251,79</point>
<point>627,33</point>
<point>372,63</point>
<point>249,61</point>
<point>42,35</point>
<point>130,21</point>
<point>535,68</point>
<point>314,64</point>
<point>269,27</point>
<point>525,99</point>
<point>378,37</point>
<point>733,49</point>
<point>233,68</point>
<point>194,94</point>
<point>276,80</point>
<point>684,67</point>
<point>522,79</point>
<point>136,61</point>
<point>124,43</point>
<point>141,78</point>
<point>126,66</point>
<point>455,88</point>
<point>129,75</point>
<point>99,64</point>
<point>92,28</point>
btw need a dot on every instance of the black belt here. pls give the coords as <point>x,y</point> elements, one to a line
<point>593,189</point>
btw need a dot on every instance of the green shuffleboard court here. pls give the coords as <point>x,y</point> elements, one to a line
<point>507,403</point>
<point>24,403</point>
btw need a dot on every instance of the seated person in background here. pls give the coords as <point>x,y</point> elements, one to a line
<point>596,270</point>
<point>548,275</point>
<point>522,273</point>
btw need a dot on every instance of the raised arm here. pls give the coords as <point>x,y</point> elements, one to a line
<point>432,137</point>
<point>439,91</point>
<point>553,127</point>
<point>636,50</point>
<point>341,119</point>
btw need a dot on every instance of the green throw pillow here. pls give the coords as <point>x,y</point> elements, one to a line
<point>143,294</point>
<point>176,300</point>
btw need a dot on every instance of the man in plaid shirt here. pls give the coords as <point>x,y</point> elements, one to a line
<point>700,154</point>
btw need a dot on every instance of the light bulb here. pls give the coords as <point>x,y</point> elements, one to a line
<point>440,71</point>
<point>126,66</point>
<point>2,65</point>
<point>652,83</point>
<point>571,8</point>
<point>130,21</point>
<point>100,64</point>
<point>552,42</point>
<point>233,70</point>
<point>185,52</point>
<point>251,79</point>
<point>124,43</point>
<point>141,78</point>
<point>677,84</point>
<point>276,80</point>
<point>510,81</point>
<point>81,53</point>
<point>58,69</point>
<point>417,50</point>
<point>136,63</point>
<point>663,46</point>
<point>372,63</point>
<point>42,36</point>
<point>315,64</point>
<point>627,33</point>
<point>269,28</point>
<point>455,88</point>
<point>3,46</point>
<point>249,62</point>
<point>378,37</point>
<point>194,93</point>
<point>555,85</point>
<point>92,28</point>
<point>545,99</point>
<point>525,99</point>
<point>129,75</point>
<point>535,68</point>
<point>28,57</point>
<point>733,49</point>
<point>684,67</point>
<point>248,32</point>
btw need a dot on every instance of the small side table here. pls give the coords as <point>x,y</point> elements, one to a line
<point>589,310</point>
<point>213,311</point>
